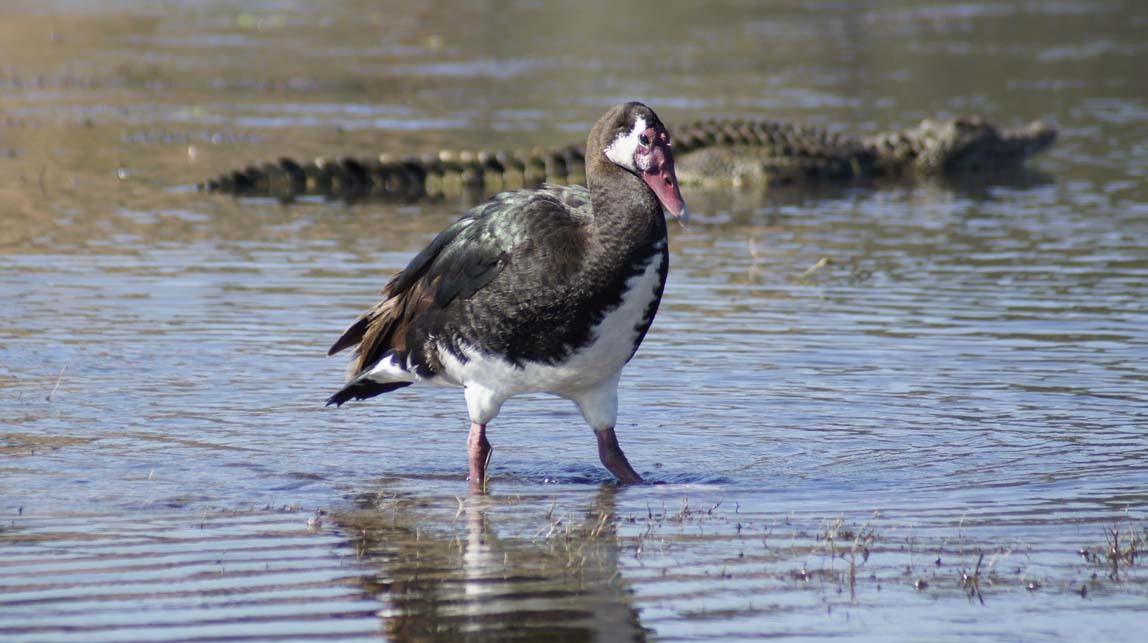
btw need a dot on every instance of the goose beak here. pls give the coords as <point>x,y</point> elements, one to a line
<point>662,180</point>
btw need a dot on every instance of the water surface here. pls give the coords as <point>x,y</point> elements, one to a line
<point>912,411</point>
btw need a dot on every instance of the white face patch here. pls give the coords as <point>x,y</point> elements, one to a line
<point>622,150</point>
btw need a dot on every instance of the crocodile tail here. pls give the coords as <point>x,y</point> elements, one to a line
<point>345,178</point>
<point>474,174</point>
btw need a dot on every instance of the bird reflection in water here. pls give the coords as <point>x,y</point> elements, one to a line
<point>495,568</point>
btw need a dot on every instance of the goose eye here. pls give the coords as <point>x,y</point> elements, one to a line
<point>644,140</point>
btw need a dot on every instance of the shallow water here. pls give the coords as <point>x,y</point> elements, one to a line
<point>835,444</point>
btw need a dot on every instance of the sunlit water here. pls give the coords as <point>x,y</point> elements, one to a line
<point>848,397</point>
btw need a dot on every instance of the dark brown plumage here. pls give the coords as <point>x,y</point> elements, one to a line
<point>536,290</point>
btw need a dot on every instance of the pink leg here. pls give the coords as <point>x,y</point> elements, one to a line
<point>613,458</point>
<point>478,450</point>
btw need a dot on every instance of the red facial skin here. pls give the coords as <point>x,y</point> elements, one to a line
<point>656,162</point>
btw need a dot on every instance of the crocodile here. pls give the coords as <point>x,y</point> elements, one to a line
<point>715,152</point>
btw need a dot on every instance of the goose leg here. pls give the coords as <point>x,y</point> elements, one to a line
<point>613,458</point>
<point>478,450</point>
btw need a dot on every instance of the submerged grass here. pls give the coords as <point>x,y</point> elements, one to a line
<point>707,560</point>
